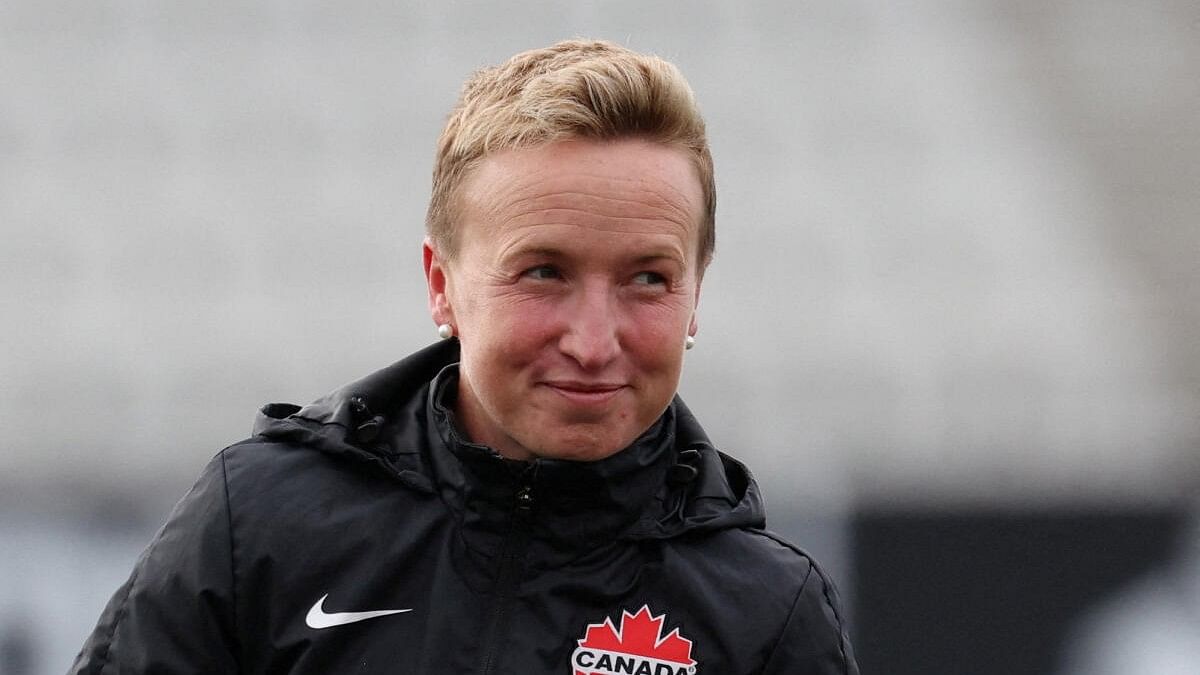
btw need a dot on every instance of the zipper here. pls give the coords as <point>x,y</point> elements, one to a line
<point>508,576</point>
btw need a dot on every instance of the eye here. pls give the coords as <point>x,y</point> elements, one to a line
<point>542,272</point>
<point>649,278</point>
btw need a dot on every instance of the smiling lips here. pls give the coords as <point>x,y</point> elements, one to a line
<point>585,393</point>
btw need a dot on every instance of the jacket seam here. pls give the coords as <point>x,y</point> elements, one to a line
<point>233,593</point>
<point>791,613</point>
<point>826,586</point>
<point>120,616</point>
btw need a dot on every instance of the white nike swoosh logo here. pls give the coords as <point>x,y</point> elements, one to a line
<point>318,618</point>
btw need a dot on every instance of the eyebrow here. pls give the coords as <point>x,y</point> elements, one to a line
<point>538,251</point>
<point>652,257</point>
<point>559,254</point>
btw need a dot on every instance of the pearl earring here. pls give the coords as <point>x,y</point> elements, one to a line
<point>689,342</point>
<point>445,331</point>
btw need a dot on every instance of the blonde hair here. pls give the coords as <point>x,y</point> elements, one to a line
<point>574,89</point>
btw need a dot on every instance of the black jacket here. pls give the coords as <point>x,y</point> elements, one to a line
<point>650,561</point>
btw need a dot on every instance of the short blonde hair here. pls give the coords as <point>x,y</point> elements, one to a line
<point>573,89</point>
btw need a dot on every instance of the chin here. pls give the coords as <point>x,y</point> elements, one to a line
<point>578,448</point>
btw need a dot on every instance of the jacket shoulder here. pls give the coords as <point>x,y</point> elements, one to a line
<point>262,461</point>
<point>797,624</point>
<point>175,613</point>
<point>278,490</point>
<point>816,633</point>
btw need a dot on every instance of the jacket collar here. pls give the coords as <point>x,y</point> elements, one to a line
<point>568,502</point>
<point>400,421</point>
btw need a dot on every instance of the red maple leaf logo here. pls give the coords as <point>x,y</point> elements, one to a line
<point>637,648</point>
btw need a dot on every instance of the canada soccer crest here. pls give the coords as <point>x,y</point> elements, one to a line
<point>636,648</point>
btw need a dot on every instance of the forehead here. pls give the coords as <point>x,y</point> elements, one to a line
<point>585,189</point>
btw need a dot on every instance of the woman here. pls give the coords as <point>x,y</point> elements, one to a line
<point>528,495</point>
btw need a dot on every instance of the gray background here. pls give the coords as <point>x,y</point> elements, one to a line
<point>956,262</point>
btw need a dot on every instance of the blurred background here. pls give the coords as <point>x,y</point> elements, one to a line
<point>953,323</point>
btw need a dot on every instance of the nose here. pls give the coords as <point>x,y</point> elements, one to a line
<point>591,336</point>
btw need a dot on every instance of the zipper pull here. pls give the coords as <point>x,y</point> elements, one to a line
<point>524,499</point>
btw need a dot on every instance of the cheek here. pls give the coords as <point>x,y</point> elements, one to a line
<point>656,357</point>
<point>661,328</point>
<point>508,326</point>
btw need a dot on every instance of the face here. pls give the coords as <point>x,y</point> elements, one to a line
<point>572,292</point>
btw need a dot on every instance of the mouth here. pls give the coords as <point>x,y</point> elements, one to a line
<point>585,393</point>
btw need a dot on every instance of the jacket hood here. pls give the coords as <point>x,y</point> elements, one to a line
<point>397,421</point>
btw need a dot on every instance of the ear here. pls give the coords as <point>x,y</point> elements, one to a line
<point>438,283</point>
